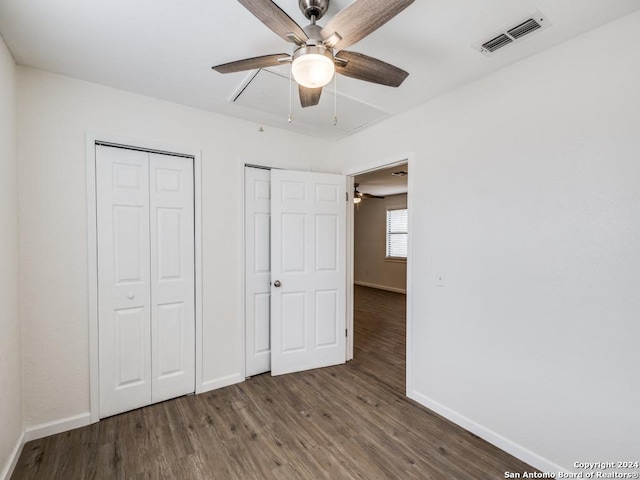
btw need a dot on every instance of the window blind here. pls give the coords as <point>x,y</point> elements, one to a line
<point>397,221</point>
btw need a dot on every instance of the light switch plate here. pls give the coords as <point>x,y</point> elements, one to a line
<point>440,280</point>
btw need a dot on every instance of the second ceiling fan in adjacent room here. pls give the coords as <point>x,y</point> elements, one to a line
<point>359,196</point>
<point>319,53</point>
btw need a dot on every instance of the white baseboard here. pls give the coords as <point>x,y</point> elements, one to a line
<point>7,470</point>
<point>221,382</point>
<point>490,436</point>
<point>57,426</point>
<point>381,287</point>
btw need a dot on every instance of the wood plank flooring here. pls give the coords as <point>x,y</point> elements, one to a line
<point>346,422</point>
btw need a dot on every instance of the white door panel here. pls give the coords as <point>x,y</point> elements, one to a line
<point>308,247</point>
<point>130,338</point>
<point>293,336</point>
<point>123,279</point>
<point>258,270</point>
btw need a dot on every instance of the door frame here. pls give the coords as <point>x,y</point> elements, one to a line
<point>398,159</point>
<point>91,139</point>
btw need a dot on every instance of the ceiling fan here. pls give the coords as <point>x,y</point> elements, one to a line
<point>319,51</point>
<point>358,196</point>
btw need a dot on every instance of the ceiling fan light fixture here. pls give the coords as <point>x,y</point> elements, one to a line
<point>313,66</point>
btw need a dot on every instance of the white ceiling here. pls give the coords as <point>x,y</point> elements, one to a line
<point>165,48</point>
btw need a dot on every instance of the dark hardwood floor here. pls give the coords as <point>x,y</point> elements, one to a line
<point>348,421</point>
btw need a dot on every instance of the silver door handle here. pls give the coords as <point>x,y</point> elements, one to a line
<point>277,283</point>
<point>131,295</point>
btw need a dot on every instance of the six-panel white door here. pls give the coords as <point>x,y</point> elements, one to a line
<point>124,296</point>
<point>172,276</point>
<point>308,270</point>
<point>258,270</point>
<point>145,278</point>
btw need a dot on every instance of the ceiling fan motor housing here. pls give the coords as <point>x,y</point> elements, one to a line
<point>313,8</point>
<point>313,32</point>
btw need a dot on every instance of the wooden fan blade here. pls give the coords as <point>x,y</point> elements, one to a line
<point>276,19</point>
<point>309,96</point>
<point>370,69</point>
<point>368,195</point>
<point>251,63</point>
<point>362,17</point>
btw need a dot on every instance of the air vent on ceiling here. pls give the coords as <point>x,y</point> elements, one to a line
<point>496,43</point>
<point>515,31</point>
<point>524,28</point>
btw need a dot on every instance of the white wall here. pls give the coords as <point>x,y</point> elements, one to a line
<point>54,114</point>
<point>10,361</point>
<point>370,245</point>
<point>527,198</point>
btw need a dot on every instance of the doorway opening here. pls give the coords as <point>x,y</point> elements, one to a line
<point>380,251</point>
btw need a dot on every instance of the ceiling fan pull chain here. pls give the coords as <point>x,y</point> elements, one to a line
<point>335,99</point>
<point>290,90</point>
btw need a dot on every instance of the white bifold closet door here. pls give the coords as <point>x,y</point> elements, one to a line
<point>146,288</point>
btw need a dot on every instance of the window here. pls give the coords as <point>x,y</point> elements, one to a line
<point>397,221</point>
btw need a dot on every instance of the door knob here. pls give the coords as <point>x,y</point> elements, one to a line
<point>277,283</point>
<point>131,295</point>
